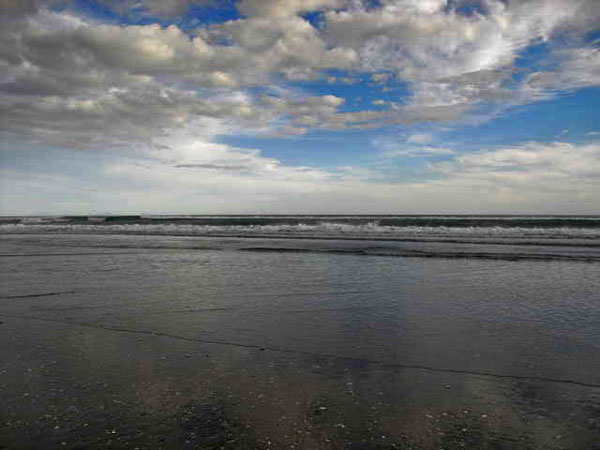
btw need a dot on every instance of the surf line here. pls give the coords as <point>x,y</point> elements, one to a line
<point>314,354</point>
<point>34,255</point>
<point>44,294</point>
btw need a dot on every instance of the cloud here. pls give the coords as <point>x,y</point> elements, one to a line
<point>67,80</point>
<point>163,8</point>
<point>549,173</point>
<point>580,68</point>
<point>70,80</point>
<point>163,95</point>
<point>289,43</point>
<point>14,9</point>
<point>198,154</point>
<point>92,52</point>
<point>222,178</point>
<point>381,78</point>
<point>120,116</point>
<point>61,53</point>
<point>200,176</point>
<point>454,60</point>
<point>420,138</point>
<point>187,171</point>
<point>320,112</point>
<point>160,8</point>
<point>419,152</point>
<point>413,146</point>
<point>283,9</point>
<point>415,113</point>
<point>287,131</point>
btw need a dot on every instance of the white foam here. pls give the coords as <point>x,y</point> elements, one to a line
<point>322,229</point>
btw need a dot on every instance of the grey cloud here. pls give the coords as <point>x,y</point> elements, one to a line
<point>289,44</point>
<point>72,53</point>
<point>161,8</point>
<point>116,117</point>
<point>322,112</point>
<point>72,81</point>
<point>16,9</point>
<point>166,8</point>
<point>53,53</point>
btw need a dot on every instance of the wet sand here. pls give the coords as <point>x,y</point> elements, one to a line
<point>154,348</point>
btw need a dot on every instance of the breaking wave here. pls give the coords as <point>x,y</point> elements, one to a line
<point>341,227</point>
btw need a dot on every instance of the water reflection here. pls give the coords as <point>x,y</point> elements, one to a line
<point>183,349</point>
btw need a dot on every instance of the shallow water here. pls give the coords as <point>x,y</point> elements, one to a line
<point>189,342</point>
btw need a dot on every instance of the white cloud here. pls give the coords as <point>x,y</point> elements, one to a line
<point>381,78</point>
<point>534,177</point>
<point>580,68</point>
<point>283,9</point>
<point>413,146</point>
<point>549,173</point>
<point>186,173</point>
<point>458,61</point>
<point>200,176</point>
<point>417,6</point>
<point>165,8</point>
<point>419,138</point>
<point>419,152</point>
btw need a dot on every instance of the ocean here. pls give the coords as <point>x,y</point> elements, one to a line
<point>314,332</point>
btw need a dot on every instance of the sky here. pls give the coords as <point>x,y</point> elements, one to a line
<point>299,106</point>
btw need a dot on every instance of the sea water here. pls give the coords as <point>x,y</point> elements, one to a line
<point>304,331</point>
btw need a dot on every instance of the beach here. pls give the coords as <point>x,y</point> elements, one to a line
<point>299,225</point>
<point>305,337</point>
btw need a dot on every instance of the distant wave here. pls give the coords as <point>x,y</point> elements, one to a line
<point>367,222</point>
<point>482,237</point>
<point>365,227</point>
